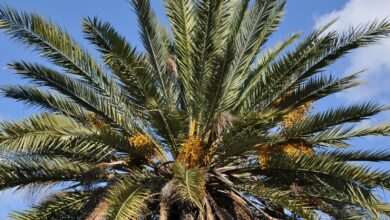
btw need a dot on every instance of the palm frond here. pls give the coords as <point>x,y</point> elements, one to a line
<point>53,43</point>
<point>127,199</point>
<point>279,197</point>
<point>316,88</point>
<point>57,135</point>
<point>307,59</point>
<point>62,206</point>
<point>330,118</point>
<point>326,166</point>
<point>238,16</point>
<point>255,76</point>
<point>181,16</point>
<point>76,90</point>
<point>338,135</point>
<point>23,171</point>
<point>358,155</point>
<point>48,100</point>
<point>190,184</point>
<point>122,59</point>
<point>260,22</point>
<point>353,194</point>
<point>357,37</point>
<point>153,41</point>
<point>210,38</point>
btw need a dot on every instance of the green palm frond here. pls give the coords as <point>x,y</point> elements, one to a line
<point>22,171</point>
<point>153,42</point>
<point>255,76</point>
<point>181,16</point>
<point>48,100</point>
<point>358,155</point>
<point>316,88</point>
<point>257,25</point>
<point>128,198</point>
<point>53,43</point>
<point>122,59</point>
<point>338,135</point>
<point>67,205</point>
<point>322,121</point>
<point>190,184</point>
<point>207,121</point>
<point>210,38</point>
<point>357,37</point>
<point>274,77</point>
<point>280,197</point>
<point>57,135</point>
<point>308,58</point>
<point>354,194</point>
<point>76,90</point>
<point>131,69</point>
<point>327,166</point>
<point>239,13</point>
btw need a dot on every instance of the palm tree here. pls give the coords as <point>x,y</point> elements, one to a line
<point>204,124</point>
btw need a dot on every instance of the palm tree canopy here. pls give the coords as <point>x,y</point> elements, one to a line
<point>207,122</point>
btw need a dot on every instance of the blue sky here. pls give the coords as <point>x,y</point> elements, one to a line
<point>302,15</point>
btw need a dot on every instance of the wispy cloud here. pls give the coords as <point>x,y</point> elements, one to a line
<point>376,59</point>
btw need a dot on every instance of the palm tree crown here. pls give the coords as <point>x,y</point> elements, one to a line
<point>204,123</point>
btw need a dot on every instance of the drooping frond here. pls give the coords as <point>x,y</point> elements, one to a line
<point>358,155</point>
<point>23,171</point>
<point>48,100</point>
<point>323,165</point>
<point>75,89</point>
<point>67,205</point>
<point>349,193</point>
<point>190,184</point>
<point>280,197</point>
<point>56,135</point>
<point>128,198</point>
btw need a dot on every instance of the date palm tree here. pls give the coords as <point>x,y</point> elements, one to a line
<point>208,121</point>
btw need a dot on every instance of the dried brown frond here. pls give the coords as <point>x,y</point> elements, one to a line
<point>222,122</point>
<point>171,65</point>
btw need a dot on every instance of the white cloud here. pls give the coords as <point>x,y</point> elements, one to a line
<point>376,59</point>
